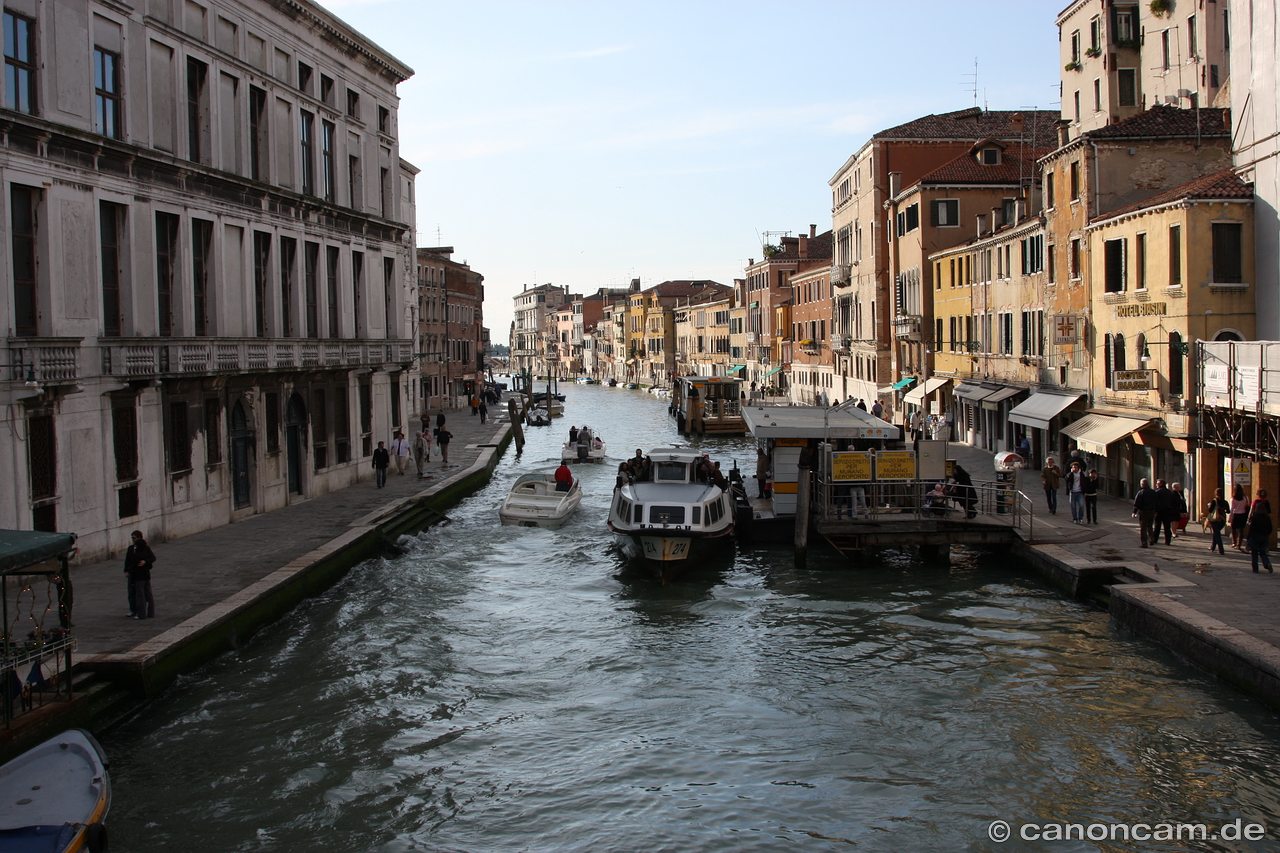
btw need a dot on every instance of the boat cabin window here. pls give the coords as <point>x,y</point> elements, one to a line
<point>714,511</point>
<point>671,472</point>
<point>697,515</point>
<point>666,514</point>
<point>639,514</point>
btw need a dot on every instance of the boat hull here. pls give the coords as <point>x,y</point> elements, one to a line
<point>57,793</point>
<point>667,556</point>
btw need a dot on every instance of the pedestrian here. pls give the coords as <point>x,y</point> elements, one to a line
<point>1051,479</point>
<point>1184,515</point>
<point>475,405</point>
<point>1167,511</point>
<point>624,475</point>
<point>1260,527</point>
<point>762,468</point>
<point>1024,447</point>
<point>400,449</point>
<point>381,461</point>
<point>422,452</point>
<point>573,434</point>
<point>862,404</point>
<point>1075,491</point>
<point>1239,516</point>
<point>138,560</point>
<point>877,409</point>
<point>1091,497</point>
<point>1144,509</point>
<point>484,412</point>
<point>965,494</point>
<point>564,478</point>
<point>443,441</point>
<point>1216,514</point>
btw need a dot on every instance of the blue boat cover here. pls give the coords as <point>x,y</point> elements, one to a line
<point>37,839</point>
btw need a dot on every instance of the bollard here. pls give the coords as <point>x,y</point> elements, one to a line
<point>802,517</point>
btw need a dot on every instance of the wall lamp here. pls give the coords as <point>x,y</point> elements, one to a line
<point>22,365</point>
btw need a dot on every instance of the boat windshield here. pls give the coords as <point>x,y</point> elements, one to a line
<point>670,472</point>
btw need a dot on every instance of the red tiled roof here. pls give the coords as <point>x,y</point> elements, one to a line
<point>1163,122</point>
<point>1039,127</point>
<point>683,287</point>
<point>1014,166</point>
<point>1223,185</point>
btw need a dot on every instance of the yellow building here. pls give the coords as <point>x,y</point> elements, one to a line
<point>1168,271</point>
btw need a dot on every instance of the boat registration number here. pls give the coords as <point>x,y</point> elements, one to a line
<point>657,548</point>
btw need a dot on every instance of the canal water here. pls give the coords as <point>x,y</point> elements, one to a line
<point>513,689</point>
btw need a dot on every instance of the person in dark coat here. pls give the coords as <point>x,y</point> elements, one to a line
<point>1260,527</point>
<point>1217,513</point>
<point>138,560</point>
<point>1169,509</point>
<point>965,494</point>
<point>484,412</point>
<point>1144,509</point>
<point>1091,497</point>
<point>381,459</point>
<point>442,439</point>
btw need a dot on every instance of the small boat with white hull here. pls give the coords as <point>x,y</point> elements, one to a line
<point>538,417</point>
<point>584,445</point>
<point>679,513</point>
<point>535,501</point>
<point>55,797</point>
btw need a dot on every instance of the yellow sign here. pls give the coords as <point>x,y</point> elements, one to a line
<point>896,465</point>
<point>1238,472</point>
<point>850,466</point>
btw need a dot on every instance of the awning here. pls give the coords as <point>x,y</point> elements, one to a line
<point>1038,409</point>
<point>735,368</point>
<point>917,394</point>
<point>994,400</point>
<point>22,549</point>
<point>775,370</point>
<point>1094,432</point>
<point>975,393</point>
<point>904,383</point>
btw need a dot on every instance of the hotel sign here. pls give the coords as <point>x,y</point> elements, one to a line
<point>1142,309</point>
<point>1066,329</point>
<point>1132,380</point>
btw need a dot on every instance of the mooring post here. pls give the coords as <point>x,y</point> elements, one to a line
<point>802,517</point>
<point>516,427</point>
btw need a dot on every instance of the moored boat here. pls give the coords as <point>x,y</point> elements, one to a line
<point>534,501</point>
<point>538,417</point>
<point>55,797</point>
<point>679,513</point>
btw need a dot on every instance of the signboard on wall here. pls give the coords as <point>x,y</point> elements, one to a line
<point>896,465</point>
<point>1132,380</point>
<point>847,465</point>
<point>1237,472</point>
<point>1066,329</point>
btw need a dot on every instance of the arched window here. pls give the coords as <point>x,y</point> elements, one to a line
<point>1228,335</point>
<point>1107,361</point>
<point>1119,359</point>
<point>1175,363</point>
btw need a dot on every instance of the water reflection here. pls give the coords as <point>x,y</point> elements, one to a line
<point>502,688</point>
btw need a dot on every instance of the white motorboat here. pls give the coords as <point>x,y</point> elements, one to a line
<point>583,446</point>
<point>55,796</point>
<point>538,417</point>
<point>680,513</point>
<point>534,502</point>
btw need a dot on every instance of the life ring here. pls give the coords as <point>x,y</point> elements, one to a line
<point>95,836</point>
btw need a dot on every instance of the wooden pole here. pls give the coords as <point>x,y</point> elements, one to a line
<point>802,517</point>
<point>516,426</point>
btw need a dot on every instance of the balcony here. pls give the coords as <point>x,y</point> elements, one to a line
<point>139,358</point>
<point>51,360</point>
<point>907,327</point>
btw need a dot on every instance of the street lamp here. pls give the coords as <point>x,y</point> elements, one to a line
<point>29,367</point>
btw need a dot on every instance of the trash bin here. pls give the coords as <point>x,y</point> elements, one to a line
<point>1006,465</point>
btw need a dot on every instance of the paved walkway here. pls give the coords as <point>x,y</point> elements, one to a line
<point>199,571</point>
<point>1223,588</point>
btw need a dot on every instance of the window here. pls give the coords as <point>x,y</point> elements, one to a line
<point>1175,255</point>
<point>384,120</point>
<point>355,187</point>
<point>201,244</point>
<point>179,443</point>
<point>261,272</point>
<point>1075,181</point>
<point>311,261</point>
<point>1176,367</point>
<point>945,213</point>
<point>198,129</point>
<point>326,89</point>
<point>166,269</point>
<point>304,78</point>
<point>331,288</point>
<point>319,429</point>
<point>124,440</point>
<point>106,93</point>
<point>353,104</point>
<point>1192,43</point>
<point>1095,35</point>
<point>19,63</point>
<point>384,193</point>
<point>1049,190</point>
<point>908,219</point>
<point>989,156</point>
<point>258,140</point>
<point>212,431</point>
<point>1074,259</point>
<point>110,229</point>
<point>1126,28</point>
<point>288,278</point>
<point>326,159</point>
<point>1033,254</point>
<point>1076,98</point>
<point>1165,50</point>
<point>23,223</point>
<point>357,286</point>
<point>272,406</point>
<point>1228,255</point>
<point>308,152</point>
<point>1051,265</point>
<point>388,292</point>
<point>1127,87</point>
<point>342,424</point>
<point>1075,46</point>
<point>1140,261</point>
<point>1097,95</point>
<point>1115,260</point>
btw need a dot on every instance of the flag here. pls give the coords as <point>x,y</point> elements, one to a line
<point>36,677</point>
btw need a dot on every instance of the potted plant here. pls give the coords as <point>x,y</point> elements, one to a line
<point>1161,7</point>
<point>1072,66</point>
<point>1093,51</point>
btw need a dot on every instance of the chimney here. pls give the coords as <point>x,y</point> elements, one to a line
<point>802,248</point>
<point>813,231</point>
<point>1064,133</point>
<point>997,218</point>
<point>982,223</point>
<point>1020,208</point>
<point>895,184</point>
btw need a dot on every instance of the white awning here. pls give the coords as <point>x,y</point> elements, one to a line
<point>917,394</point>
<point>993,401</point>
<point>1094,432</point>
<point>974,394</point>
<point>1038,409</point>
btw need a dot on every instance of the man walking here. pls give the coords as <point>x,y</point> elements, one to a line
<point>1051,478</point>
<point>1168,508</point>
<point>422,452</point>
<point>442,439</point>
<point>1075,492</point>
<point>400,450</point>
<point>381,461</point>
<point>1144,509</point>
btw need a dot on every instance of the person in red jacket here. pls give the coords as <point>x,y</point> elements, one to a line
<point>564,478</point>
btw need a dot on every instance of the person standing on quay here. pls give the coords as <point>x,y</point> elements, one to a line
<point>400,450</point>
<point>1075,492</point>
<point>442,439</point>
<point>138,562</point>
<point>1260,527</point>
<point>1051,477</point>
<point>1091,497</point>
<point>381,461</point>
<point>1239,516</point>
<point>484,411</point>
<point>422,451</point>
<point>1217,513</point>
<point>1144,509</point>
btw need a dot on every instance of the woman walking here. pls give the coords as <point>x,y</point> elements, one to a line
<point>1217,513</point>
<point>1051,477</point>
<point>1260,528</point>
<point>1091,497</point>
<point>1239,517</point>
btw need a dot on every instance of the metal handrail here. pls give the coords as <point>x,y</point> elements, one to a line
<point>868,500</point>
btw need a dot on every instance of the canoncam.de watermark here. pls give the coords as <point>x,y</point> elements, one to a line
<point>1234,830</point>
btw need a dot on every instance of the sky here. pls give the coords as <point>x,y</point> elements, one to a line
<point>585,144</point>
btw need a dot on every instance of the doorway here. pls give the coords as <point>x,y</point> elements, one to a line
<point>241,449</point>
<point>295,422</point>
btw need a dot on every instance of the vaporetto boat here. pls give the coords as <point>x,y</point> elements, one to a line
<point>678,514</point>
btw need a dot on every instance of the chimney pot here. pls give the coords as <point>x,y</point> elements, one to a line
<point>813,230</point>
